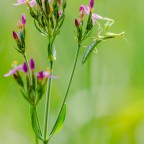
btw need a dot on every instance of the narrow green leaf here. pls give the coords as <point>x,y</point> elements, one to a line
<point>42,32</point>
<point>60,22</point>
<point>35,127</point>
<point>89,22</point>
<point>47,7</point>
<point>59,123</point>
<point>89,50</point>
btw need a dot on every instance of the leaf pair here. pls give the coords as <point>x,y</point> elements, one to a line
<point>57,127</point>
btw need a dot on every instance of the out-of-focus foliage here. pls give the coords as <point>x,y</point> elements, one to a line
<point>106,100</point>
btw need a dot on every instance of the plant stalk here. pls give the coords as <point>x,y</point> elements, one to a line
<point>35,124</point>
<point>69,84</point>
<point>47,104</point>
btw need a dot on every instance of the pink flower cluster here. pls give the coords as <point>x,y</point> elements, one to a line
<point>24,68</point>
<point>87,9</point>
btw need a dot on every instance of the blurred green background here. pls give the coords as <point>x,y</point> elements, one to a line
<point>106,100</point>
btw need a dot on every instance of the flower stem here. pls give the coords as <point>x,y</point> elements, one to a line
<point>36,139</point>
<point>47,105</point>
<point>35,124</point>
<point>29,73</point>
<point>36,119</point>
<point>69,84</point>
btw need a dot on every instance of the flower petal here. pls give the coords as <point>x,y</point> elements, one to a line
<point>19,2</point>
<point>96,16</point>
<point>14,70</point>
<point>32,3</point>
<point>45,74</point>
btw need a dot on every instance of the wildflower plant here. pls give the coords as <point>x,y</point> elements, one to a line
<point>48,16</point>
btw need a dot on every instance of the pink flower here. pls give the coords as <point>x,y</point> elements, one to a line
<point>94,15</point>
<point>14,70</point>
<point>23,68</point>
<point>21,2</point>
<point>44,74</point>
<point>31,3</point>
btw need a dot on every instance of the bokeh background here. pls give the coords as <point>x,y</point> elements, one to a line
<point>106,100</point>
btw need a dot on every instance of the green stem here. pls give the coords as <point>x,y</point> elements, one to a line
<point>36,119</point>
<point>29,73</point>
<point>36,139</point>
<point>88,77</point>
<point>47,105</point>
<point>35,124</point>
<point>38,123</point>
<point>69,84</point>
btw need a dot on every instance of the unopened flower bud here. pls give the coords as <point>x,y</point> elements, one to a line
<point>59,2</point>
<point>51,9</point>
<point>91,5</point>
<point>20,25</point>
<point>81,12</point>
<point>76,23</point>
<point>23,18</point>
<point>15,35</point>
<point>32,64</point>
<point>25,68</point>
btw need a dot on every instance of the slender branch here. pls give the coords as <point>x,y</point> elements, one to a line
<point>69,84</point>
<point>47,105</point>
